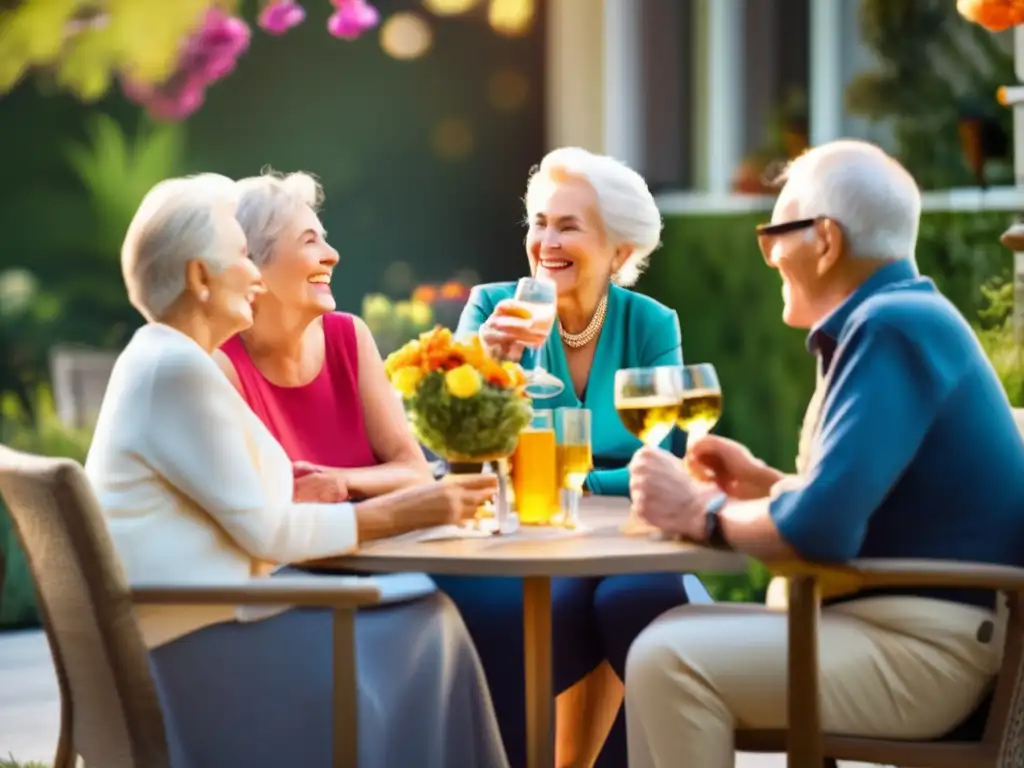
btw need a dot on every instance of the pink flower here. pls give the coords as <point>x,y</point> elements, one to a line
<point>215,49</point>
<point>172,101</point>
<point>352,18</point>
<point>207,56</point>
<point>278,16</point>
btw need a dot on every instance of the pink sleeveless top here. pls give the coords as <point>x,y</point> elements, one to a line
<point>321,422</point>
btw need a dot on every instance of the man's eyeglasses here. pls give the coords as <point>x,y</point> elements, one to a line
<point>785,227</point>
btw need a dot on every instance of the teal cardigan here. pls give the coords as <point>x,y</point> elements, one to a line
<point>638,332</point>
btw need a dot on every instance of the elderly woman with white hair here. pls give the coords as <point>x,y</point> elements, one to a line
<point>311,373</point>
<point>592,227</point>
<point>194,486</point>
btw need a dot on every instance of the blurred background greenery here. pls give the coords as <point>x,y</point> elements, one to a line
<point>423,134</point>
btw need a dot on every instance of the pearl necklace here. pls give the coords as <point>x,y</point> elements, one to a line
<point>587,335</point>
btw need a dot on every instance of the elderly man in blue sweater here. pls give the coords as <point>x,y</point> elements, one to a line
<point>909,450</point>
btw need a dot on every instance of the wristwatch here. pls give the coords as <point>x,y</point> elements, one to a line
<point>714,533</point>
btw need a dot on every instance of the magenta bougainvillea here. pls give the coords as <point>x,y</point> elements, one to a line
<point>211,52</point>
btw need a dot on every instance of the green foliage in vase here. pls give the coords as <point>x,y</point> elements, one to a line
<point>937,73</point>
<point>486,424</point>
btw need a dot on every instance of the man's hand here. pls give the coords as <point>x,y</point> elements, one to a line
<point>730,466</point>
<point>666,496</point>
<point>322,487</point>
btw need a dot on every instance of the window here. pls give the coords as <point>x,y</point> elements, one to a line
<point>667,68</point>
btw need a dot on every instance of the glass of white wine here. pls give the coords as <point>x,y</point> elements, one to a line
<point>575,458</point>
<point>701,405</point>
<point>647,401</point>
<point>538,297</point>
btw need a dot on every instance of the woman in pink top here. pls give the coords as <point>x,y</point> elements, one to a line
<point>314,376</point>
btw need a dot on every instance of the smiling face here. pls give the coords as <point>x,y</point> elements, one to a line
<point>298,273</point>
<point>805,256</point>
<point>227,293</point>
<point>567,242</point>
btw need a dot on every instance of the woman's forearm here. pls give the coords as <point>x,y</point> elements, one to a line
<point>368,482</point>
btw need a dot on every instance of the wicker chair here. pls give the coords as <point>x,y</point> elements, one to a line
<point>110,713</point>
<point>992,737</point>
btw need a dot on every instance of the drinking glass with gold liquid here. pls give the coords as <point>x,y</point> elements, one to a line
<point>701,404</point>
<point>575,458</point>
<point>535,471</point>
<point>539,301</point>
<point>647,401</point>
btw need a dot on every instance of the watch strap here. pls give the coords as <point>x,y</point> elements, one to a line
<point>714,532</point>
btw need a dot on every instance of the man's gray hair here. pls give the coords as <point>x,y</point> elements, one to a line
<point>870,194</point>
<point>173,225</point>
<point>268,203</point>
<point>625,204</point>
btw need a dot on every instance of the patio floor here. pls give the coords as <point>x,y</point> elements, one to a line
<point>30,710</point>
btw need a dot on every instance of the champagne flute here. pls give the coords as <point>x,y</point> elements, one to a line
<point>647,401</point>
<point>539,297</point>
<point>701,405</point>
<point>575,458</point>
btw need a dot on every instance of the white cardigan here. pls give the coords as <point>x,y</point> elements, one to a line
<point>193,485</point>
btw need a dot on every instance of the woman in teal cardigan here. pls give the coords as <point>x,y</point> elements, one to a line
<point>592,226</point>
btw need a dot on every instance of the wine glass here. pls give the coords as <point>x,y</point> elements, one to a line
<point>647,401</point>
<point>575,458</point>
<point>538,297</point>
<point>701,405</point>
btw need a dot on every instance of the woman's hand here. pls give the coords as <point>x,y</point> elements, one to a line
<point>465,494</point>
<point>730,466</point>
<point>509,330</point>
<point>321,487</point>
<point>450,501</point>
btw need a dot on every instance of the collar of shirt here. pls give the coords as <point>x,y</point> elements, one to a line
<point>824,337</point>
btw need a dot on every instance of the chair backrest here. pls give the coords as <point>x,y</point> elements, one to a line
<point>111,711</point>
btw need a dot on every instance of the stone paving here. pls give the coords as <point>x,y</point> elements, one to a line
<point>30,710</point>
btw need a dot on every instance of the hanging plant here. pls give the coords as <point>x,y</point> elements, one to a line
<point>993,15</point>
<point>163,53</point>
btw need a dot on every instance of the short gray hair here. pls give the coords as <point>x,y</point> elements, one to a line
<point>268,203</point>
<point>869,193</point>
<point>173,225</point>
<point>625,204</point>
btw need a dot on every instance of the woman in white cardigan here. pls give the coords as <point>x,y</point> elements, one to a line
<point>193,485</point>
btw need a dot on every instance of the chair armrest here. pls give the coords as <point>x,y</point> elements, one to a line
<point>306,591</point>
<point>860,574</point>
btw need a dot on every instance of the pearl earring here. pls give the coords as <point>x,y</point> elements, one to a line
<point>204,295</point>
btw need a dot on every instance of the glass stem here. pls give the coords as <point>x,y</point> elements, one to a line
<point>502,509</point>
<point>572,507</point>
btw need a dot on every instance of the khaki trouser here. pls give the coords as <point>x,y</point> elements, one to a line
<point>892,667</point>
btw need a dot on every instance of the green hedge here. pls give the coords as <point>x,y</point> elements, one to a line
<point>730,303</point>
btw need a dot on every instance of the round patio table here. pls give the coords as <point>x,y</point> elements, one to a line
<point>536,555</point>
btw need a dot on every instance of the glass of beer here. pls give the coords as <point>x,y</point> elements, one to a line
<point>538,298</point>
<point>701,406</point>
<point>575,458</point>
<point>535,471</point>
<point>647,401</point>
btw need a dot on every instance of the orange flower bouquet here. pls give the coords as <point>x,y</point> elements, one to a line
<point>993,15</point>
<point>462,404</point>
